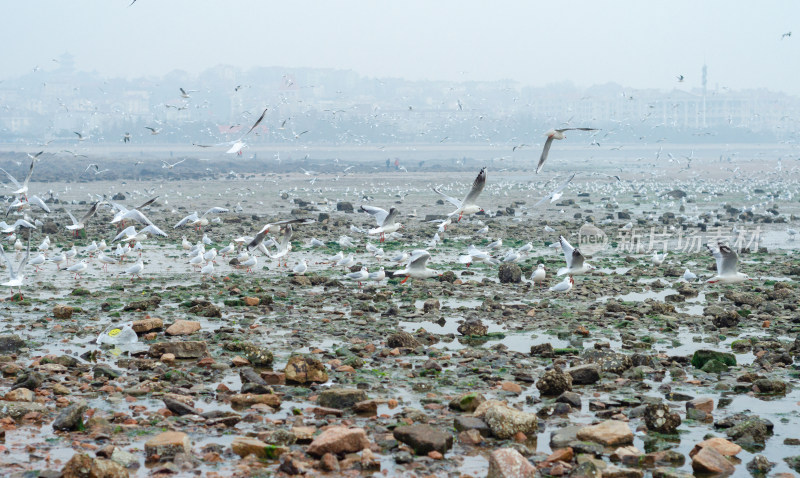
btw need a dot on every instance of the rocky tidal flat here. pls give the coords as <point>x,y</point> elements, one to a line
<point>477,372</point>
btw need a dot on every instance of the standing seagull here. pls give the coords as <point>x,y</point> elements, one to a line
<point>385,220</point>
<point>727,260</point>
<point>564,285</point>
<point>467,206</point>
<point>16,276</point>
<point>551,135</point>
<point>539,275</point>
<point>417,267</point>
<point>575,261</point>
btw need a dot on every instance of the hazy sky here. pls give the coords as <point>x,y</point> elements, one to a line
<point>637,43</point>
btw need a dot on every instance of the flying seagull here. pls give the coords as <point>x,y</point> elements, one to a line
<point>576,263</point>
<point>258,121</point>
<point>21,188</point>
<point>78,225</point>
<point>727,262</point>
<point>555,134</point>
<point>555,195</point>
<point>385,220</point>
<point>467,205</point>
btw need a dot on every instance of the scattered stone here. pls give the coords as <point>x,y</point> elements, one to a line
<point>167,445</point>
<point>402,340</point>
<point>509,463</point>
<point>147,304</point>
<point>19,395</point>
<point>554,382</point>
<point>341,398</point>
<point>467,402</point>
<point>584,374</point>
<point>84,466</point>
<point>509,273</point>
<point>466,423</point>
<point>609,433</point>
<point>571,398</point>
<point>183,327</point>
<point>146,325</point>
<point>339,440</point>
<point>709,460</point>
<point>181,350</point>
<point>660,418</point>
<point>700,358</point>
<point>71,418</point>
<point>505,421</point>
<point>304,369</point>
<point>760,465</point>
<point>424,438</point>
<point>431,305</point>
<point>244,446</point>
<point>62,312</point>
<point>723,446</point>
<point>10,343</point>
<point>704,403</point>
<point>473,327</point>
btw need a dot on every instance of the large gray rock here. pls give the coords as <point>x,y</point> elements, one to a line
<point>509,273</point>
<point>10,343</point>
<point>424,438</point>
<point>181,350</point>
<point>584,374</point>
<point>71,418</point>
<point>341,398</point>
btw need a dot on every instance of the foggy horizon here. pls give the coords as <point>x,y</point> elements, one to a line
<point>639,46</point>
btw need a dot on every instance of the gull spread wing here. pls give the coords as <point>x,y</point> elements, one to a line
<point>191,217</point>
<point>419,259</point>
<point>38,201</point>
<point>572,255</point>
<point>455,202</point>
<point>11,178</point>
<point>379,214</point>
<point>258,121</point>
<point>556,191</point>
<point>727,266</point>
<point>477,188</point>
<point>214,210</point>
<point>127,232</point>
<point>154,229</point>
<point>30,171</point>
<point>545,152</point>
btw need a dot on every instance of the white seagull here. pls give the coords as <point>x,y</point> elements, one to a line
<point>78,225</point>
<point>727,261</point>
<point>555,195</point>
<point>385,219</point>
<point>575,261</point>
<point>22,189</point>
<point>539,275</point>
<point>551,135</point>
<point>16,277</point>
<point>564,285</point>
<point>199,221</point>
<point>417,267</point>
<point>467,205</point>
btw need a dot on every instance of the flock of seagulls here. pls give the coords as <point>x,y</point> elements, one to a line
<point>134,227</point>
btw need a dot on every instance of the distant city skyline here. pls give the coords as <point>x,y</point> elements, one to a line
<point>642,45</point>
